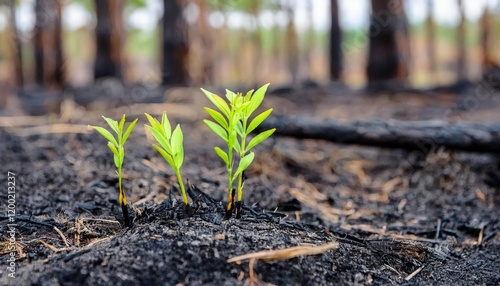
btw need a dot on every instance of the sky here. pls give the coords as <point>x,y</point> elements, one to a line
<point>353,14</point>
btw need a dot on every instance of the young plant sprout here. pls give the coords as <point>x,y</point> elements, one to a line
<point>232,123</point>
<point>116,145</point>
<point>171,146</point>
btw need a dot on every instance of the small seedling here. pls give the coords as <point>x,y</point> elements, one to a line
<point>232,123</point>
<point>116,145</point>
<point>171,146</point>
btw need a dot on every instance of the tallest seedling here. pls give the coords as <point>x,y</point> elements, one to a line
<point>116,145</point>
<point>232,123</point>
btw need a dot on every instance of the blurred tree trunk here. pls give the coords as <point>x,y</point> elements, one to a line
<point>17,48</point>
<point>109,33</point>
<point>430,28</point>
<point>489,64</point>
<point>461,68</point>
<point>308,49</point>
<point>335,42</point>
<point>487,60</point>
<point>175,47</point>
<point>292,45</point>
<point>206,38</point>
<point>389,48</point>
<point>47,43</point>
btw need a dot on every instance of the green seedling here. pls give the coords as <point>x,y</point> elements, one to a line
<point>116,145</point>
<point>171,146</point>
<point>232,123</point>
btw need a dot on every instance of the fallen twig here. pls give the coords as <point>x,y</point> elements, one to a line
<point>287,253</point>
<point>414,273</point>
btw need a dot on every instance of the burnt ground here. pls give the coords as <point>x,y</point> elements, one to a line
<point>413,217</point>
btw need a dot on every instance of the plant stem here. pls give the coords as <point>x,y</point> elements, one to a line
<point>230,163</point>
<point>242,154</point>
<point>122,199</point>
<point>230,180</point>
<point>240,186</point>
<point>183,190</point>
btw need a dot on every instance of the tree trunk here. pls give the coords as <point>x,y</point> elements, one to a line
<point>489,64</point>
<point>109,33</point>
<point>175,47</point>
<point>206,39</point>
<point>48,43</point>
<point>335,43</point>
<point>17,48</point>
<point>461,69</point>
<point>485,28</point>
<point>430,28</point>
<point>292,46</point>
<point>419,135</point>
<point>388,53</point>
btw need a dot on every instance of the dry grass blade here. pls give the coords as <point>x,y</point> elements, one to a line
<point>287,253</point>
<point>62,236</point>
<point>414,273</point>
<point>253,279</point>
<point>55,249</point>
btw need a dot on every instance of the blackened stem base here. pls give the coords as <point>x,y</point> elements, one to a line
<point>126,217</point>
<point>189,210</point>
<point>230,207</point>
<point>239,209</point>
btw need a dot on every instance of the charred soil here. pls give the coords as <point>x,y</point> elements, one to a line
<point>414,217</point>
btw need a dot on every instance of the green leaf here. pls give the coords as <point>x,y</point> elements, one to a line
<point>237,101</point>
<point>217,117</point>
<point>258,120</point>
<point>248,96</point>
<point>116,158</point>
<point>257,99</point>
<point>106,134</point>
<point>230,95</point>
<point>129,130</point>
<point>260,138</point>
<point>179,158</point>
<point>121,153</point>
<point>165,123</point>
<point>232,139</point>
<point>113,124</point>
<point>239,128</point>
<point>218,102</point>
<point>176,140</point>
<point>222,105</point>
<point>237,146</point>
<point>153,122</point>
<point>122,124</point>
<point>165,155</point>
<point>217,129</point>
<point>243,108</point>
<point>161,139</point>
<point>244,163</point>
<point>112,148</point>
<point>222,155</point>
